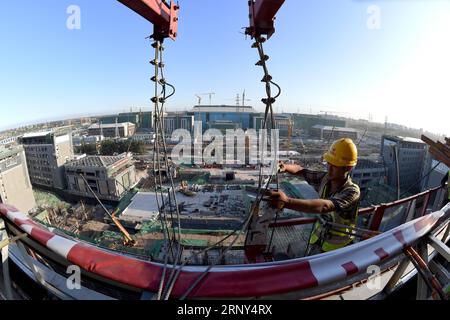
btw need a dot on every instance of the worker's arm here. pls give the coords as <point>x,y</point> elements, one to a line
<point>310,206</point>
<point>279,199</point>
<point>313,177</point>
<point>294,169</point>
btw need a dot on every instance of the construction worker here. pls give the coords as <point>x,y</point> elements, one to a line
<point>339,197</point>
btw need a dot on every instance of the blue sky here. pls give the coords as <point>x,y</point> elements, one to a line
<point>323,55</point>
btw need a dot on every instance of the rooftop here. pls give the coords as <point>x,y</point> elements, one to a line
<point>97,161</point>
<point>37,134</point>
<point>7,152</point>
<point>177,115</point>
<point>404,139</point>
<point>143,206</point>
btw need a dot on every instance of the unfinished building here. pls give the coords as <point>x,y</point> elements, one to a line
<point>109,177</point>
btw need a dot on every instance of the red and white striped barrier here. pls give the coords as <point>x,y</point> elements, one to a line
<point>254,280</point>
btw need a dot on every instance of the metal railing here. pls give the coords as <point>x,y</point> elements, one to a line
<point>387,216</point>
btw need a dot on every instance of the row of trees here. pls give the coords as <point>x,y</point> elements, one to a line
<point>111,147</point>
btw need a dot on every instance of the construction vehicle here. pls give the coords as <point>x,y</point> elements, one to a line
<point>398,247</point>
<point>184,189</point>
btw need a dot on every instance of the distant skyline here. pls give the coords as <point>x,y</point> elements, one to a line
<point>327,55</point>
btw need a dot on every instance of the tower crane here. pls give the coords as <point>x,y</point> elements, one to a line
<point>199,99</point>
<point>199,96</point>
<point>209,94</point>
<point>244,100</point>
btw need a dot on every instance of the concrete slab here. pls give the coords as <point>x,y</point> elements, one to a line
<point>142,207</point>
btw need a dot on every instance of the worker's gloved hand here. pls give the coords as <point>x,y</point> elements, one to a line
<point>281,167</point>
<point>289,168</point>
<point>277,199</point>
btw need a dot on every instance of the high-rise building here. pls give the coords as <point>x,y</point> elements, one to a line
<point>282,123</point>
<point>224,125</point>
<point>236,114</point>
<point>404,160</point>
<point>142,120</point>
<point>174,121</point>
<point>367,173</point>
<point>15,185</point>
<point>46,153</point>
<point>307,121</point>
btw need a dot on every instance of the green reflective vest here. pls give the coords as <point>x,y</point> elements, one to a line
<point>332,239</point>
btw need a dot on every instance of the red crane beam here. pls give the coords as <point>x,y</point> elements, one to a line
<point>262,17</point>
<point>164,17</point>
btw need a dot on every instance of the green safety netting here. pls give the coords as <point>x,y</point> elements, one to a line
<point>126,200</point>
<point>205,232</point>
<point>291,190</point>
<point>155,226</point>
<point>194,242</point>
<point>156,248</point>
<point>150,227</point>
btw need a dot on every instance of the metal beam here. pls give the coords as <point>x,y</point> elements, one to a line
<point>440,247</point>
<point>162,16</point>
<point>440,271</point>
<point>262,17</point>
<point>440,151</point>
<point>422,286</point>
<point>5,261</point>
<point>447,232</point>
<point>392,283</point>
<point>29,262</point>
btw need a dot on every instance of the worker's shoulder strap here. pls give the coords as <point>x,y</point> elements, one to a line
<point>324,187</point>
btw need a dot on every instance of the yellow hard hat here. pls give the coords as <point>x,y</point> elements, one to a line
<point>342,153</point>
